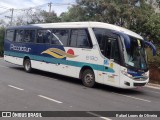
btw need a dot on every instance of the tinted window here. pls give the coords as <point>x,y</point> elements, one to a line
<point>60,36</point>
<point>112,49</point>
<point>44,36</point>
<point>29,35</point>
<point>108,43</point>
<point>80,38</point>
<point>74,35</point>
<point>10,35</point>
<point>100,35</point>
<point>19,36</point>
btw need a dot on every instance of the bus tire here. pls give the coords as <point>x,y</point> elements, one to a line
<point>88,78</point>
<point>27,65</point>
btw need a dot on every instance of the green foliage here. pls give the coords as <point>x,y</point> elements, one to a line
<point>158,3</point>
<point>1,40</point>
<point>136,16</point>
<point>152,27</point>
<point>139,17</point>
<point>49,17</point>
<point>40,16</point>
<point>154,60</point>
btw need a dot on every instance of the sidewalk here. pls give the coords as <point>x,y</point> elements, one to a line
<point>151,85</point>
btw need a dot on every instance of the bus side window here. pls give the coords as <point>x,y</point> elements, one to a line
<point>80,38</point>
<point>44,36</point>
<point>60,37</point>
<point>40,36</point>
<point>29,35</point>
<point>99,33</point>
<point>47,35</point>
<point>74,34</point>
<point>32,35</point>
<point>83,39</point>
<point>9,35</point>
<point>19,36</point>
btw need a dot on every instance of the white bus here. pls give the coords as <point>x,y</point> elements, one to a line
<point>94,52</point>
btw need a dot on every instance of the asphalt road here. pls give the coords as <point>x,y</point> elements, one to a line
<point>43,91</point>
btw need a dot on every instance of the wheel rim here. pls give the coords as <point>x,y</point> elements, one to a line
<point>88,78</point>
<point>27,65</point>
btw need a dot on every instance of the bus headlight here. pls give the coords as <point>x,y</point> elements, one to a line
<point>126,74</point>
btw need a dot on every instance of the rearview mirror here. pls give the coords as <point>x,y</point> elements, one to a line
<point>152,46</point>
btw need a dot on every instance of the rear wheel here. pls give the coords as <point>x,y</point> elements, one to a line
<point>88,78</point>
<point>27,65</point>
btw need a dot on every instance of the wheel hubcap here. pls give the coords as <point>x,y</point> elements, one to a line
<point>88,78</point>
<point>27,65</point>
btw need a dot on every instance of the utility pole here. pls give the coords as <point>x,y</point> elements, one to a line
<point>12,15</point>
<point>50,7</point>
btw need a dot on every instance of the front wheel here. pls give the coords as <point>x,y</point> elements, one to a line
<point>27,65</point>
<point>88,78</point>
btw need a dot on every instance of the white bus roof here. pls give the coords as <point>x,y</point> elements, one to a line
<point>82,25</point>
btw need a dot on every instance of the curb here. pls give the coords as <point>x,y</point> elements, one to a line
<point>151,85</point>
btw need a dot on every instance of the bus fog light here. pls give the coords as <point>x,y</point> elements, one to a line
<point>127,83</point>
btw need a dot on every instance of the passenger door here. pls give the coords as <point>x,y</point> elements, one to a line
<point>112,68</point>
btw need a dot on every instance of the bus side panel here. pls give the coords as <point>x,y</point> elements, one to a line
<point>15,52</point>
<point>11,56</point>
<point>83,57</point>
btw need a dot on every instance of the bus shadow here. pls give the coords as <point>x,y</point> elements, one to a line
<point>100,87</point>
<point>78,82</point>
<point>108,88</point>
<point>51,75</point>
<point>58,77</point>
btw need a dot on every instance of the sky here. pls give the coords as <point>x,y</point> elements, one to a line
<point>22,4</point>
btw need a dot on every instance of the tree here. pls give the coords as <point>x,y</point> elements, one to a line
<point>135,15</point>
<point>2,23</point>
<point>36,16</point>
<point>152,27</point>
<point>49,17</point>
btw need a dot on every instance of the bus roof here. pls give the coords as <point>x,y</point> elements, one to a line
<point>80,25</point>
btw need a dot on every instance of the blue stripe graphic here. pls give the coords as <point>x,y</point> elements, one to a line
<point>61,61</point>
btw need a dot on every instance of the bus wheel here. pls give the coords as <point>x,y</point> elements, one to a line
<point>88,78</point>
<point>27,65</point>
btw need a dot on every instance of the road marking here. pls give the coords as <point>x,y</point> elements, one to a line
<point>151,91</point>
<point>15,87</point>
<point>94,114</point>
<point>50,99</point>
<point>3,66</point>
<point>133,97</point>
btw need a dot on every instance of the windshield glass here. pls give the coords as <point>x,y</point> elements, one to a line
<point>135,55</point>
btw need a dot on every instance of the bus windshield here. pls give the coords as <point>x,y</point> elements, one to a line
<point>135,55</point>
